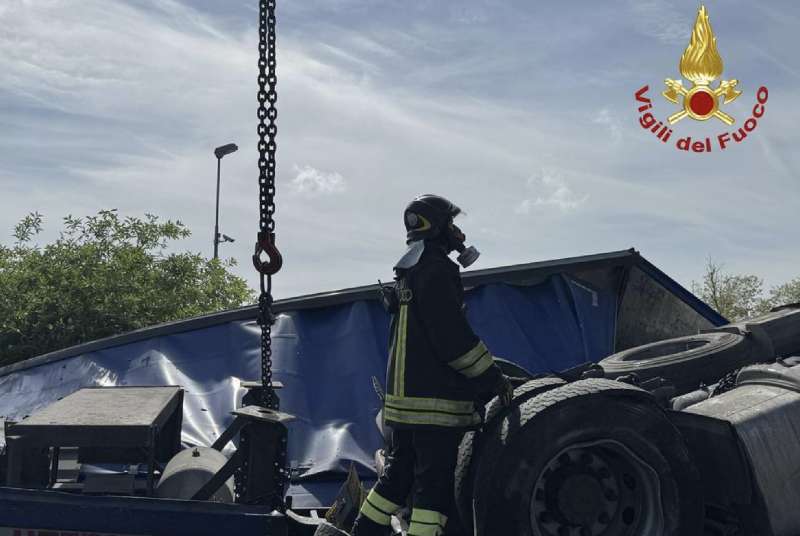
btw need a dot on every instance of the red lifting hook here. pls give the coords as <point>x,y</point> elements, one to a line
<point>266,244</point>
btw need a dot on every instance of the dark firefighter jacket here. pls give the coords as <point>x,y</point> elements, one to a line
<point>437,365</point>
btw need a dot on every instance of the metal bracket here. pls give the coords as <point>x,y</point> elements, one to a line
<point>260,461</point>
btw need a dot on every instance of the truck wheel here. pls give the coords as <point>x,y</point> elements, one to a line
<point>591,458</point>
<point>685,361</point>
<point>492,418</point>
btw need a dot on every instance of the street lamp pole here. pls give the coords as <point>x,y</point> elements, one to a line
<point>216,219</point>
<point>220,152</point>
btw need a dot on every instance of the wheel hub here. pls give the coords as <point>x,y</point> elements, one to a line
<point>577,494</point>
<point>580,499</point>
<point>599,489</point>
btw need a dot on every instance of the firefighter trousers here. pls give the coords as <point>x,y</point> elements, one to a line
<point>420,465</point>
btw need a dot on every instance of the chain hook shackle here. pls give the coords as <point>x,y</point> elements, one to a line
<point>266,244</point>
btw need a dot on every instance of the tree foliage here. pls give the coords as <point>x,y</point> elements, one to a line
<point>741,296</point>
<point>786,293</point>
<point>104,275</point>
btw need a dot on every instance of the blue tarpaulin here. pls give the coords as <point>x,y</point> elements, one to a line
<point>325,357</point>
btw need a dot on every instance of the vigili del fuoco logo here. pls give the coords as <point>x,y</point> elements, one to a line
<point>701,65</point>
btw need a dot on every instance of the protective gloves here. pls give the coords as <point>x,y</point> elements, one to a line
<point>504,390</point>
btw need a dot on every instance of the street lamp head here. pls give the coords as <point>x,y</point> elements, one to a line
<point>219,152</point>
<point>226,238</point>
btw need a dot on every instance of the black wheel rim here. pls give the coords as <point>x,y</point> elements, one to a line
<point>600,488</point>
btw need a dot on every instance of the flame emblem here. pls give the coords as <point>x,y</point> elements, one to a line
<point>701,64</point>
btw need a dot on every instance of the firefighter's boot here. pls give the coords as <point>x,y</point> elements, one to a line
<point>375,516</point>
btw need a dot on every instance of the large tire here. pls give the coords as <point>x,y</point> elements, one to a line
<point>685,361</point>
<point>492,418</point>
<point>593,457</point>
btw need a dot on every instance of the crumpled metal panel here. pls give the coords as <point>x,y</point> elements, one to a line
<point>325,359</point>
<point>766,417</point>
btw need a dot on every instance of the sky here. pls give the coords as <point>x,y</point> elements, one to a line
<point>523,113</point>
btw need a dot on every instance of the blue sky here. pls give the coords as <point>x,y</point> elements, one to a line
<point>522,112</point>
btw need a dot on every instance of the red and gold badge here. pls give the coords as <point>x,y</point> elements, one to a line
<point>701,64</point>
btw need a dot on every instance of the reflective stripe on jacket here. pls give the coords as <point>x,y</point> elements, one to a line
<point>437,365</point>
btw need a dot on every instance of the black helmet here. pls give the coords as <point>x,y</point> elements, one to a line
<point>427,215</point>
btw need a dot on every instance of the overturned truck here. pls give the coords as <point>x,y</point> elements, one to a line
<point>644,413</point>
<point>692,435</point>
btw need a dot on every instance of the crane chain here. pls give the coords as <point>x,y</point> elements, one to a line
<point>267,131</point>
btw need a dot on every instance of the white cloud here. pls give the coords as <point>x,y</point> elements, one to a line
<point>664,21</point>
<point>524,207</point>
<point>309,180</point>
<point>550,191</point>
<point>611,122</point>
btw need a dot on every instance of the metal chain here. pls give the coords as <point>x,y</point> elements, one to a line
<point>727,383</point>
<point>267,131</point>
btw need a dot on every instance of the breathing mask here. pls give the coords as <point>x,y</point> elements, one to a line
<point>467,255</point>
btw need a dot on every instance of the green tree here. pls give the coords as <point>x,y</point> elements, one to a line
<point>735,297</point>
<point>786,293</point>
<point>104,275</point>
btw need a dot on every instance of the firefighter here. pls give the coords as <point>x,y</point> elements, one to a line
<point>438,369</point>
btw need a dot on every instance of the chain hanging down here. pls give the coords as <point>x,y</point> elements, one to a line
<point>265,243</point>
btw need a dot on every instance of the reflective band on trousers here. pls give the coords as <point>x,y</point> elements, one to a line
<point>439,405</point>
<point>473,363</point>
<point>406,416</point>
<point>379,509</point>
<point>426,523</point>
<point>400,350</point>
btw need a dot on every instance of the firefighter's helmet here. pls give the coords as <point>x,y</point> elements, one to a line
<point>427,215</point>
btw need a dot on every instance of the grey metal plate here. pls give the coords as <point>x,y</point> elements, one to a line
<point>263,414</point>
<point>120,416</point>
<point>97,406</point>
<point>257,384</point>
<point>767,422</point>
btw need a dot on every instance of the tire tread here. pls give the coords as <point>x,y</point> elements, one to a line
<point>495,411</point>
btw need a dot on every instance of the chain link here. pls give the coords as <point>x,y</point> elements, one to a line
<point>725,384</point>
<point>267,131</point>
